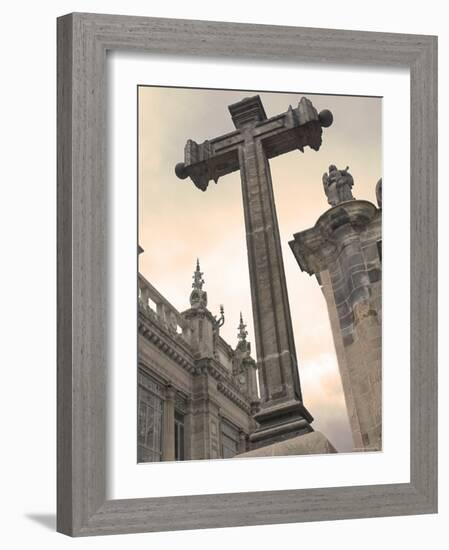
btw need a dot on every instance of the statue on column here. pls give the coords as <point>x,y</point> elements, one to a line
<point>243,345</point>
<point>337,185</point>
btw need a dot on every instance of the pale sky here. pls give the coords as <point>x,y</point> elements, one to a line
<point>178,222</point>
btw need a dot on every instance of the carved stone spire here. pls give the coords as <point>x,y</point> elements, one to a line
<point>244,367</point>
<point>243,345</point>
<point>198,297</point>
<point>242,332</point>
<point>198,280</point>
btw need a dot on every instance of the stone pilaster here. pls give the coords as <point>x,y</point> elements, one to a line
<point>169,424</point>
<point>242,442</point>
<point>201,331</point>
<point>342,250</point>
<point>188,425</point>
<point>205,418</point>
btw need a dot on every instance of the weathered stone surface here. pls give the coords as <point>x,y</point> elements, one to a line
<point>342,249</point>
<point>308,444</point>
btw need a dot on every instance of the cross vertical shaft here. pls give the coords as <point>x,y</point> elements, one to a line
<point>271,312</point>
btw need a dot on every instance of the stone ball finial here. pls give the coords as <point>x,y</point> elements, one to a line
<point>180,171</point>
<point>326,118</point>
<point>379,193</point>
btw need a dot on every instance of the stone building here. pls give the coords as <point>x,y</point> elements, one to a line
<point>344,252</point>
<point>196,394</point>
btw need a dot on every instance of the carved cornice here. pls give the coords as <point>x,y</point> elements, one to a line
<point>173,345</point>
<point>314,247</point>
<point>234,397</point>
<point>176,348</point>
<point>226,384</point>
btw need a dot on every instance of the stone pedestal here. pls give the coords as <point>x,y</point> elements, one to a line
<point>279,422</point>
<point>308,444</point>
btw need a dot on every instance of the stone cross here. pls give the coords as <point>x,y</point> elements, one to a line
<point>248,149</point>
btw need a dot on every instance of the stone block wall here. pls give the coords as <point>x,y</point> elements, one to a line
<point>343,250</point>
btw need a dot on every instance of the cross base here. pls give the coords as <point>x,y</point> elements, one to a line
<point>280,422</point>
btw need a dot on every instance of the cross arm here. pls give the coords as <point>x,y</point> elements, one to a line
<point>210,160</point>
<point>294,129</point>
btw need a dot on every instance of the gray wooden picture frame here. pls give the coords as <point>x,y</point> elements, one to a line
<point>83,40</point>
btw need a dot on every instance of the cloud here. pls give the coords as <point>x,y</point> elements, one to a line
<point>324,398</point>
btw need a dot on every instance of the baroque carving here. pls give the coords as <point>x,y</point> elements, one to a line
<point>337,185</point>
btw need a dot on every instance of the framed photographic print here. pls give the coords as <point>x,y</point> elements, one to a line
<point>238,341</point>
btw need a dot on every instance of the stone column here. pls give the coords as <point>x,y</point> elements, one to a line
<point>342,251</point>
<point>271,312</point>
<point>168,452</point>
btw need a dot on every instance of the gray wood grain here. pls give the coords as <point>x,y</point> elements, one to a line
<point>83,40</point>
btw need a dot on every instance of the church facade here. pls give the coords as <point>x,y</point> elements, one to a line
<point>197,395</point>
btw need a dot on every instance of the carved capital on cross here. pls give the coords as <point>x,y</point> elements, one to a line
<point>247,112</point>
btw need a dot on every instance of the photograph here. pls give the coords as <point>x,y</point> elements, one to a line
<point>259,274</point>
<point>215,343</point>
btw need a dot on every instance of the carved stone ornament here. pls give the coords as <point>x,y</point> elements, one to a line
<point>337,185</point>
<point>198,297</point>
